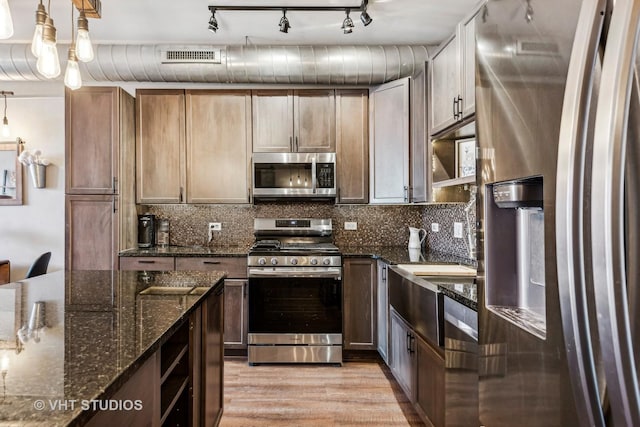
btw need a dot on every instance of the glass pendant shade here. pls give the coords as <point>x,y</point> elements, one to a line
<point>6,131</point>
<point>6,23</point>
<point>48,62</point>
<point>36,43</point>
<point>84,48</point>
<point>72,77</point>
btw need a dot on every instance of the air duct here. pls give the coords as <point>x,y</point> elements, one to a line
<point>335,65</point>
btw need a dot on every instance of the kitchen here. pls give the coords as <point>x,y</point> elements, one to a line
<point>384,220</point>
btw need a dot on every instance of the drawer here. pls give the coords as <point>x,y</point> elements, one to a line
<point>236,267</point>
<point>149,263</point>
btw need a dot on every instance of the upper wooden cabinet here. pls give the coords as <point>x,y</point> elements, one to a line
<point>352,145</point>
<point>218,146</point>
<point>294,120</point>
<point>160,146</point>
<point>97,119</point>
<point>193,146</point>
<point>453,77</point>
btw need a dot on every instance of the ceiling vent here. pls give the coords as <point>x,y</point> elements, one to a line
<point>192,56</point>
<point>537,48</point>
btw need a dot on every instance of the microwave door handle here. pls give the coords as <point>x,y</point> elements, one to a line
<point>313,175</point>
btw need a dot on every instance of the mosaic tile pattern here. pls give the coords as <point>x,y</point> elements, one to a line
<point>445,215</point>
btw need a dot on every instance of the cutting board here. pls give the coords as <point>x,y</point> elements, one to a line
<point>438,270</point>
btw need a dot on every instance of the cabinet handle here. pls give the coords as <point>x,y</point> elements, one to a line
<point>411,341</point>
<point>406,193</point>
<point>146,261</point>
<point>211,262</point>
<point>455,108</point>
<point>407,342</point>
<point>297,145</point>
<point>115,185</point>
<point>384,273</point>
<point>291,143</point>
<point>115,208</point>
<point>180,194</point>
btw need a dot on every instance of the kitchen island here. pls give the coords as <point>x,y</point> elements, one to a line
<point>112,347</point>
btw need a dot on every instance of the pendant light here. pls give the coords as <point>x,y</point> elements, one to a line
<point>6,132</point>
<point>36,43</point>
<point>84,49</point>
<point>72,76</point>
<point>6,23</point>
<point>48,62</point>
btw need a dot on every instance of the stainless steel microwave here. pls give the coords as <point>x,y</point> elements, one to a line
<point>291,175</point>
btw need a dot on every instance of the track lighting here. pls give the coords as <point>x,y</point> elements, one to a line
<point>6,132</point>
<point>6,23</point>
<point>284,22</point>
<point>84,48</point>
<point>48,63</point>
<point>364,17</point>
<point>213,22</point>
<point>36,42</point>
<point>347,24</point>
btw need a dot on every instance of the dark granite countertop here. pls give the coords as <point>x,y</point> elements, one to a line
<point>189,251</point>
<point>98,331</point>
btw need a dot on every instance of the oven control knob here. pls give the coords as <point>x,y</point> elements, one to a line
<point>326,261</point>
<point>274,261</point>
<point>262,261</point>
<point>294,261</point>
<point>314,261</point>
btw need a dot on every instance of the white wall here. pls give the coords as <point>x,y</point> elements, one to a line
<point>38,225</point>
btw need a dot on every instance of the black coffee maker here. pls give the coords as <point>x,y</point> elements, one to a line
<point>146,231</point>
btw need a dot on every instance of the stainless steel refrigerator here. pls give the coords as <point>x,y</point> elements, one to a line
<point>558,130</point>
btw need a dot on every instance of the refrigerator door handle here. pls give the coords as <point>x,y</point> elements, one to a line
<point>570,187</point>
<point>607,213</point>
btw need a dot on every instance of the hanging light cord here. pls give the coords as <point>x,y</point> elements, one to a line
<point>73,41</point>
<point>5,103</point>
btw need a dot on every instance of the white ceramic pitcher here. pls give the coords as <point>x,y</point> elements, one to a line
<point>415,242</point>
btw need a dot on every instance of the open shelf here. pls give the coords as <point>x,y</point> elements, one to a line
<point>170,357</point>
<point>171,392</point>
<point>471,179</point>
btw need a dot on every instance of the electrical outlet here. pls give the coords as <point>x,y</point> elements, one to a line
<point>350,225</point>
<point>215,226</point>
<point>435,227</point>
<point>457,230</point>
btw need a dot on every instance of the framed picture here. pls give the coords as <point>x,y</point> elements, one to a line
<point>466,157</point>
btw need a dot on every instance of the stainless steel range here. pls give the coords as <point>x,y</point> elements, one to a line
<point>295,293</point>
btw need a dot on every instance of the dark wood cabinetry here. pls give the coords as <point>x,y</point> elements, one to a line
<point>359,304</point>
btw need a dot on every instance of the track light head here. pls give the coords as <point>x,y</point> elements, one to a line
<point>213,22</point>
<point>347,24</point>
<point>365,18</point>
<point>284,22</point>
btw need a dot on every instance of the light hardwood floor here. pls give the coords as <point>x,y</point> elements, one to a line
<point>356,394</point>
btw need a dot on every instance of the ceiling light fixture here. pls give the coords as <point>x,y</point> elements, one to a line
<point>72,76</point>
<point>6,23</point>
<point>528,14</point>
<point>347,24</point>
<point>84,48</point>
<point>36,42</point>
<point>6,131</point>
<point>284,22</point>
<point>48,62</point>
<point>213,22</point>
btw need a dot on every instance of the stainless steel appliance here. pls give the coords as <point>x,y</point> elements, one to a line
<point>295,293</point>
<point>461,364</point>
<point>293,175</point>
<point>557,114</point>
<point>146,231</point>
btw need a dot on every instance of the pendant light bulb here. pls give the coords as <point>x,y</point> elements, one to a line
<point>6,22</point>
<point>72,76</point>
<point>48,62</point>
<point>6,132</point>
<point>84,48</point>
<point>36,43</point>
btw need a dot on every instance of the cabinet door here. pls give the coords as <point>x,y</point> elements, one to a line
<point>359,304</point>
<point>430,393</point>
<point>402,360</point>
<point>352,145</point>
<point>91,232</point>
<point>315,121</point>
<point>468,35</point>
<point>418,147</point>
<point>272,121</point>
<point>235,314</point>
<point>445,81</point>
<point>389,144</point>
<point>92,130</point>
<point>383,311</point>
<point>218,146</point>
<point>160,146</point>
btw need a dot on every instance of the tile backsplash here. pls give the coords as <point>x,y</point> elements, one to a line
<point>376,225</point>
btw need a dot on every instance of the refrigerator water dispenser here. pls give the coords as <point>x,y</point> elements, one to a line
<point>514,253</point>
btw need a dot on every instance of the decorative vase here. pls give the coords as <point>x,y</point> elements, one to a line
<point>38,175</point>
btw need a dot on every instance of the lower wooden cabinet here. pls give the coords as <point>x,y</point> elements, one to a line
<point>403,361</point>
<point>359,304</point>
<point>235,314</point>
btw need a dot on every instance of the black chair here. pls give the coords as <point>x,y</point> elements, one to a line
<point>39,267</point>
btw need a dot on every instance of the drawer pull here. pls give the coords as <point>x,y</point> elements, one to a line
<point>146,261</point>
<point>211,262</point>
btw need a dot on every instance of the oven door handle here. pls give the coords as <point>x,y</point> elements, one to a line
<point>330,272</point>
